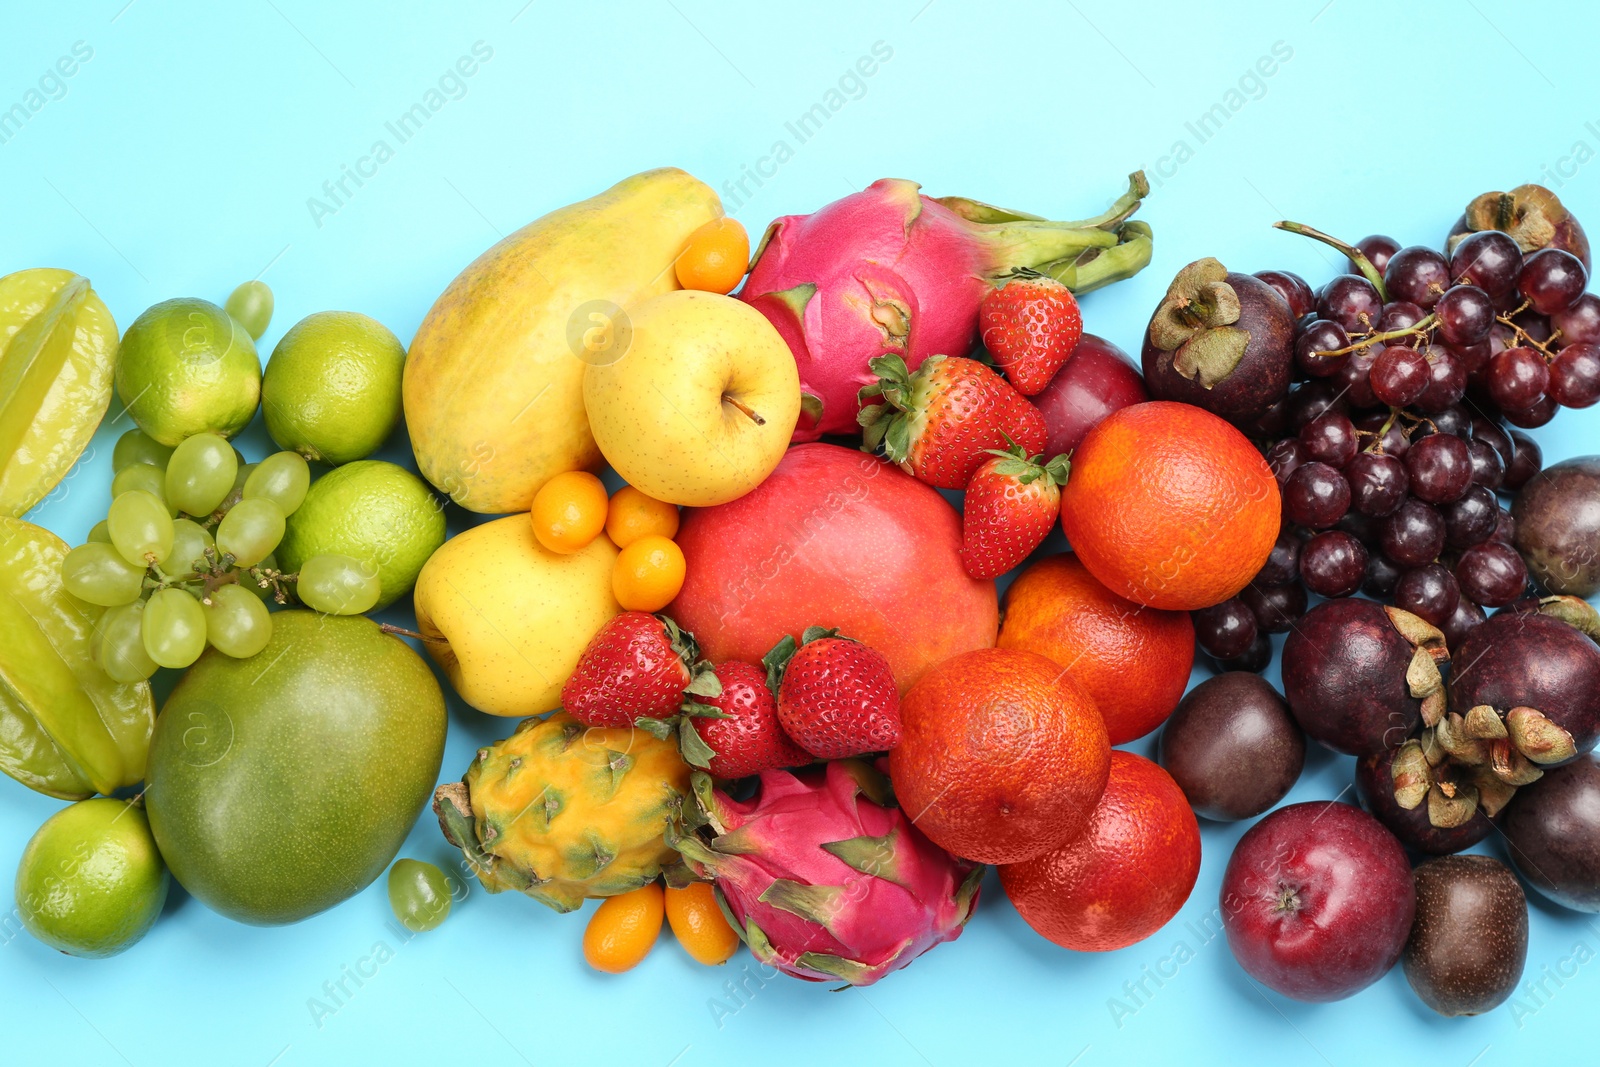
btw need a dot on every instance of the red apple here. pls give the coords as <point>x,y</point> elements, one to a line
<point>1097,380</point>
<point>1317,900</point>
<point>833,537</point>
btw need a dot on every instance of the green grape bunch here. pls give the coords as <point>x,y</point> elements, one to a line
<point>184,556</point>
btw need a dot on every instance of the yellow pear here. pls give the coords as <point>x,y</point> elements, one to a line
<point>506,618</point>
<point>700,407</point>
<point>493,384</point>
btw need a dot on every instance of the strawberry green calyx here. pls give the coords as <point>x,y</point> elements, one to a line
<point>777,660</point>
<point>1026,469</point>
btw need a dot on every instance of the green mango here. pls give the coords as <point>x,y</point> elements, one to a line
<point>281,784</point>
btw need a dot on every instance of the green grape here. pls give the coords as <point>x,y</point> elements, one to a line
<point>146,476</point>
<point>251,307</point>
<point>174,628</point>
<point>250,530</point>
<point>201,473</point>
<point>337,585</point>
<point>265,593</point>
<point>96,572</point>
<point>99,532</point>
<point>419,894</point>
<point>122,654</point>
<point>282,478</point>
<point>140,528</point>
<point>136,447</point>
<point>189,543</point>
<point>237,624</point>
<point>245,471</point>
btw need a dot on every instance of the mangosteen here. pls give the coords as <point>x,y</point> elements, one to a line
<point>1232,747</point>
<point>1221,341</point>
<point>1469,936</point>
<point>1533,216</point>
<point>1552,832</point>
<point>1557,514</point>
<point>1395,789</point>
<point>1527,687</point>
<point>1362,677</point>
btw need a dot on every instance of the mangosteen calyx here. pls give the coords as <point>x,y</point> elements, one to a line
<point>1528,213</point>
<point>1422,674</point>
<point>1575,612</point>
<point>1195,322</point>
<point>1464,762</point>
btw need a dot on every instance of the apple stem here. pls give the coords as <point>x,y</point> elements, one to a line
<point>400,631</point>
<point>749,412</point>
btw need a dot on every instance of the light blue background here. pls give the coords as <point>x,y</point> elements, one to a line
<point>179,161</point>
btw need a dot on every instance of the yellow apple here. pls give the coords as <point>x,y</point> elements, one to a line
<point>506,619</point>
<point>700,407</point>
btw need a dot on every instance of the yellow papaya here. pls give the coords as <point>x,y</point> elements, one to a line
<point>493,385</point>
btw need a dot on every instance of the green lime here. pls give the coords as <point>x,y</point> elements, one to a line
<point>373,512</point>
<point>91,881</point>
<point>186,367</point>
<point>332,387</point>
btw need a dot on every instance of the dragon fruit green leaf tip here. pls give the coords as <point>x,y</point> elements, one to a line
<point>822,876</point>
<point>888,270</point>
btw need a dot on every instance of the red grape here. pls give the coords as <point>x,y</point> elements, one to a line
<point>1276,607</point>
<point>1488,259</point>
<point>1440,468</point>
<point>1378,248</point>
<point>1392,441</point>
<point>1225,630</point>
<point>1321,336</point>
<point>1285,457</point>
<point>1575,375</point>
<point>1294,289</point>
<point>1398,375</point>
<point>1470,520</point>
<point>1413,534</point>
<point>1330,438</point>
<point>1383,574</point>
<point>1580,323</point>
<point>1316,495</point>
<point>1518,377</point>
<point>1552,280</point>
<point>1527,461</point>
<point>1333,563</point>
<point>1429,591</point>
<point>1488,469</point>
<point>1531,418</point>
<point>1378,483</point>
<point>1352,302</point>
<point>1491,574</point>
<point>1465,315</point>
<point>1283,562</point>
<point>1418,274</point>
<point>1465,617</point>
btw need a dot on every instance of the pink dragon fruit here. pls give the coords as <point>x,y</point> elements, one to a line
<point>824,878</point>
<point>887,270</point>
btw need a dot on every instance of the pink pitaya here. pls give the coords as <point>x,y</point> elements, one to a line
<point>824,878</point>
<point>889,270</point>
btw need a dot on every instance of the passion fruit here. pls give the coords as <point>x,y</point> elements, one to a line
<point>1469,938</point>
<point>1557,516</point>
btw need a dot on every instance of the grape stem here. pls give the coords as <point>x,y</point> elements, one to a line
<point>1354,254</point>
<point>1422,326</point>
<point>1523,336</point>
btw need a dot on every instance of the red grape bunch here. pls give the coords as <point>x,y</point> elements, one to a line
<point>1412,378</point>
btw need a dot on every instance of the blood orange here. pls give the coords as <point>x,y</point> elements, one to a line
<point>1002,756</point>
<point>1133,660</point>
<point>1126,876</point>
<point>1170,506</point>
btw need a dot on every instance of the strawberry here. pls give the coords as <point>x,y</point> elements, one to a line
<point>836,697</point>
<point>1010,507</point>
<point>744,737</point>
<point>939,422</point>
<point>638,666</point>
<point>1030,325</point>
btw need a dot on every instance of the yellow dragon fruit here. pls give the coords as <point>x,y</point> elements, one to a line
<point>561,811</point>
